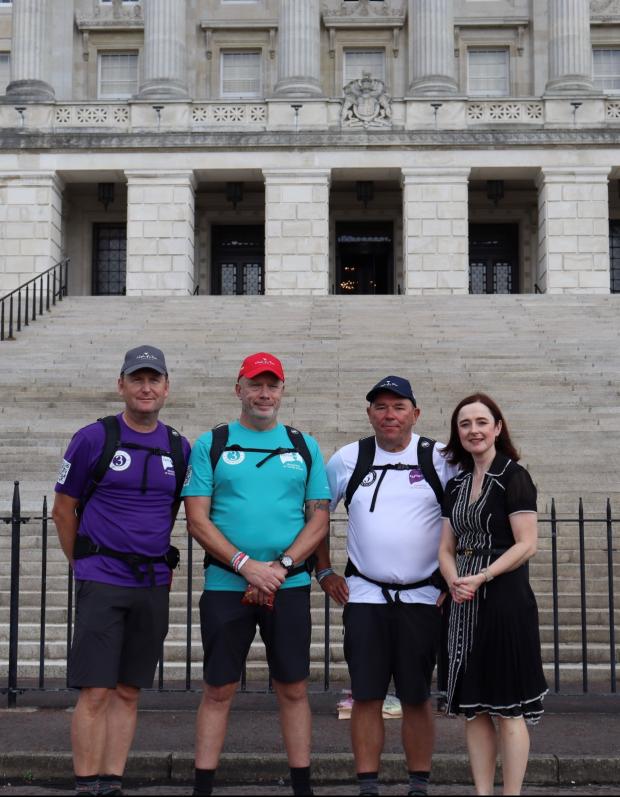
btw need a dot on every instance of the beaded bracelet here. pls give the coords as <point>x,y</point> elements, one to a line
<point>321,574</point>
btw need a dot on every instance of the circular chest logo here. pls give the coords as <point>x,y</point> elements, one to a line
<point>415,475</point>
<point>369,479</point>
<point>233,457</point>
<point>120,461</point>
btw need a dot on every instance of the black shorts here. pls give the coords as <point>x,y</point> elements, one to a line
<point>118,635</point>
<point>228,628</point>
<point>384,641</point>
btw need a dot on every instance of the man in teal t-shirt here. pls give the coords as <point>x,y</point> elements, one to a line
<point>260,514</point>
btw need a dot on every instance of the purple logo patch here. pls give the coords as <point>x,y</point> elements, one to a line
<point>415,475</point>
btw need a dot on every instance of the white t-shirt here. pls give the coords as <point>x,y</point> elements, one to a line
<point>397,542</point>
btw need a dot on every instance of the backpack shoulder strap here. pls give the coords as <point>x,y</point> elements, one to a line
<point>426,446</point>
<point>301,447</point>
<point>365,458</point>
<point>218,443</point>
<point>178,459</point>
<point>112,439</point>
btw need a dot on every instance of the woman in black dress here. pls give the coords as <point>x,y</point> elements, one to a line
<point>489,533</point>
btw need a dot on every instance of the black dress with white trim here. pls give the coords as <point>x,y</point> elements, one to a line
<point>494,661</point>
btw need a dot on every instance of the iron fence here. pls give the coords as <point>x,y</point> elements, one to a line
<point>21,306</point>
<point>553,522</point>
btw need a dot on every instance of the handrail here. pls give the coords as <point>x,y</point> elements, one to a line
<point>24,303</point>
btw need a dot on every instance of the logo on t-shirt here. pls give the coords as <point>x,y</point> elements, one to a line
<point>369,479</point>
<point>167,465</point>
<point>63,471</point>
<point>292,460</point>
<point>233,457</point>
<point>120,461</point>
<point>415,475</point>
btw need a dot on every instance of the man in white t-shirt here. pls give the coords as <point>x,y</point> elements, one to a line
<point>391,618</point>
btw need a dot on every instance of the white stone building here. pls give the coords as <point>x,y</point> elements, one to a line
<point>168,146</point>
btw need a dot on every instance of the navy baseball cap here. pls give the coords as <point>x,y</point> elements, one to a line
<point>144,357</point>
<point>393,384</point>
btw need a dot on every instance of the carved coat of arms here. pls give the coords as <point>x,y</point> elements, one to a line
<point>366,103</point>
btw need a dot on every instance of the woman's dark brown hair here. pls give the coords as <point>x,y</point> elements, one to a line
<point>454,451</point>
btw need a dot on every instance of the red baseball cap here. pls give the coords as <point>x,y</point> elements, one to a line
<point>260,363</point>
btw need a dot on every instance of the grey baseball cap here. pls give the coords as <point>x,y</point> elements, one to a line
<point>144,357</point>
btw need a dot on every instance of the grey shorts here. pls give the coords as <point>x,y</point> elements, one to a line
<point>118,635</point>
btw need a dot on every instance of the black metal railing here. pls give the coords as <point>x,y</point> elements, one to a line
<point>30,300</point>
<point>552,526</point>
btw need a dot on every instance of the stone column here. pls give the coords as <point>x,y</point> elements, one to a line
<point>28,47</point>
<point>570,46</point>
<point>297,232</point>
<point>573,230</point>
<point>435,230</point>
<point>431,47</point>
<point>160,233</point>
<point>30,225</point>
<point>299,49</point>
<point>165,45</point>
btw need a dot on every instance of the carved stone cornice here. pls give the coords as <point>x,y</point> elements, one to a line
<point>334,139</point>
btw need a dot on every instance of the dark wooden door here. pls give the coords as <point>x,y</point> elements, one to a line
<point>238,260</point>
<point>109,268</point>
<point>493,258</point>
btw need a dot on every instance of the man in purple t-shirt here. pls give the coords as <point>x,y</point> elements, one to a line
<point>116,536</point>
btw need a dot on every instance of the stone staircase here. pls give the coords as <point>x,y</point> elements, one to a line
<point>552,362</point>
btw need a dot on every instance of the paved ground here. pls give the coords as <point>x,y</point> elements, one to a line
<point>576,745</point>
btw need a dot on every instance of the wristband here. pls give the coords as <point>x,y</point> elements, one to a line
<point>487,576</point>
<point>321,574</point>
<point>242,562</point>
<point>238,560</point>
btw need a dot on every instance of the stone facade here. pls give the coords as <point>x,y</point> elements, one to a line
<point>217,114</point>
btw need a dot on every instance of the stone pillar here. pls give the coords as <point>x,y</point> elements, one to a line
<point>299,49</point>
<point>28,47</point>
<point>435,230</point>
<point>570,46</point>
<point>30,226</point>
<point>160,233</point>
<point>297,232</point>
<point>165,45</point>
<point>573,230</point>
<point>431,47</point>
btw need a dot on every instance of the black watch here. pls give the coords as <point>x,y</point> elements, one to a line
<point>286,561</point>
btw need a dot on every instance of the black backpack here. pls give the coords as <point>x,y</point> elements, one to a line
<point>366,458</point>
<point>111,445</point>
<point>219,444</point>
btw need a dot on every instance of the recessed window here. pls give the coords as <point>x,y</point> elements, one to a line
<point>118,75</point>
<point>5,71</point>
<point>241,73</point>
<point>6,2</point>
<point>606,68</point>
<point>357,62</point>
<point>488,73</point>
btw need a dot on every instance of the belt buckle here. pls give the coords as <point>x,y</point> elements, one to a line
<point>468,552</point>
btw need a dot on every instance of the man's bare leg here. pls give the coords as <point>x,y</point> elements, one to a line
<point>121,718</point>
<point>89,731</point>
<point>418,735</point>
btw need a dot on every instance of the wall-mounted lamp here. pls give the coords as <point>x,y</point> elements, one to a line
<point>105,194</point>
<point>20,110</point>
<point>296,106</point>
<point>495,191</point>
<point>234,193</point>
<point>576,105</point>
<point>365,191</point>
<point>436,106</point>
<point>158,109</point>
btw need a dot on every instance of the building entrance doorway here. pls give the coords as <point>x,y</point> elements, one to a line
<point>364,257</point>
<point>109,259</point>
<point>238,258</point>
<point>493,258</point>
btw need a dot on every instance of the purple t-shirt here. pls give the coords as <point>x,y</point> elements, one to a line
<point>118,514</point>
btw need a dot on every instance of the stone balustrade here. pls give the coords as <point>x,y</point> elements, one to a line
<point>323,115</point>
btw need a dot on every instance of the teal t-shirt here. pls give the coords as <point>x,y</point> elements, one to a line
<point>259,510</point>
